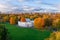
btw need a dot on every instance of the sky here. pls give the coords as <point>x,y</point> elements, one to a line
<point>29,5</point>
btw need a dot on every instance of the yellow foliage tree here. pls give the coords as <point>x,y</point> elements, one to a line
<point>56,23</point>
<point>54,36</point>
<point>5,18</point>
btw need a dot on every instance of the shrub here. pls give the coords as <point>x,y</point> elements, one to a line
<point>3,32</point>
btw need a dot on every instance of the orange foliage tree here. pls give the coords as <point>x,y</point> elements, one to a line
<point>12,20</point>
<point>23,19</point>
<point>39,23</point>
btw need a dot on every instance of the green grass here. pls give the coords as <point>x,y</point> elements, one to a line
<point>18,33</point>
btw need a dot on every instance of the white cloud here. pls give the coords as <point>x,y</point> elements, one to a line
<point>14,8</point>
<point>3,6</point>
<point>57,6</point>
<point>21,0</point>
<point>28,9</point>
<point>5,0</point>
<point>38,2</point>
<point>26,6</point>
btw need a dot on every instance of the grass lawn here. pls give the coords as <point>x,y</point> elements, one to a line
<point>18,33</point>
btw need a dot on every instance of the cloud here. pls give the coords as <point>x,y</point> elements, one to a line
<point>26,5</point>
<point>20,0</point>
<point>3,6</point>
<point>57,6</point>
<point>27,8</point>
<point>37,2</point>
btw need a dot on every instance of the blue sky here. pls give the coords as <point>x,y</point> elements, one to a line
<point>29,5</point>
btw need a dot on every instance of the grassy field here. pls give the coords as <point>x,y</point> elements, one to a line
<point>18,33</point>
